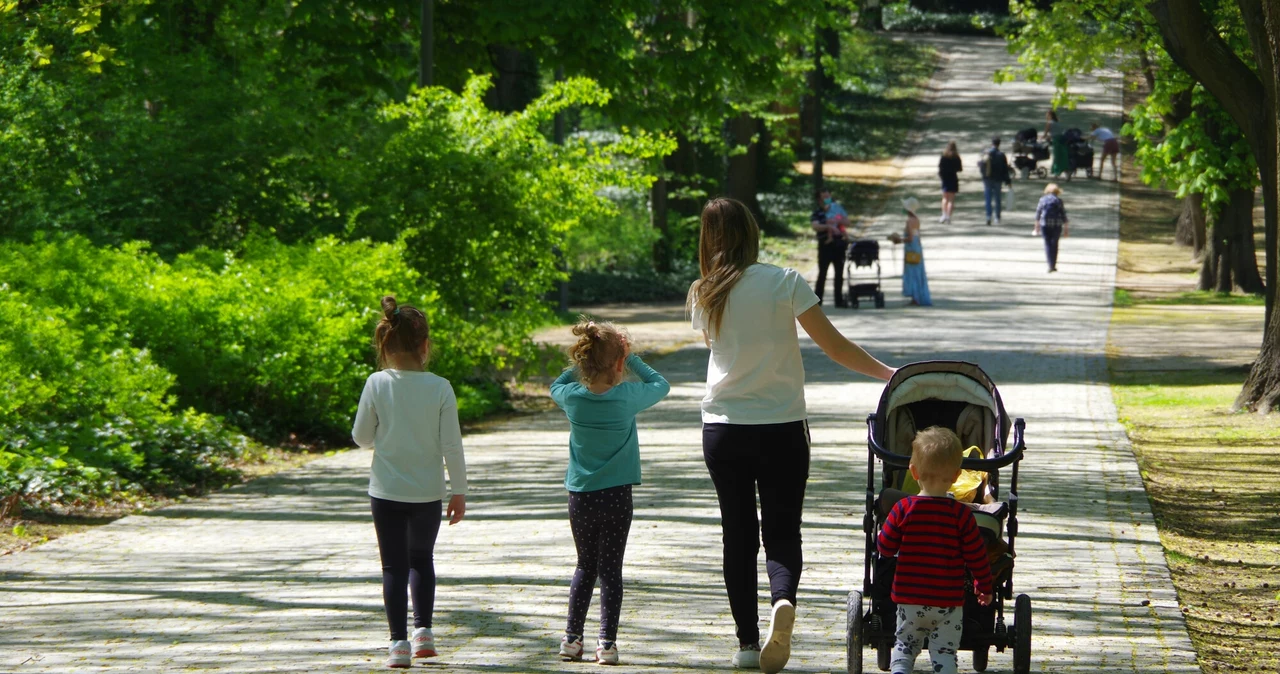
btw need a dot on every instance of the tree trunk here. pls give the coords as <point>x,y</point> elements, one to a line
<point>1209,264</point>
<point>658,217</point>
<point>515,84</point>
<point>1220,251</point>
<point>819,80</point>
<point>1191,224</point>
<point>1242,248</point>
<point>1261,390</point>
<point>426,44</point>
<point>742,173</point>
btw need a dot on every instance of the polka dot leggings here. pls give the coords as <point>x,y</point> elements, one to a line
<point>600,521</point>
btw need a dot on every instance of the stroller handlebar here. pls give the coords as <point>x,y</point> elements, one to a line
<point>902,461</point>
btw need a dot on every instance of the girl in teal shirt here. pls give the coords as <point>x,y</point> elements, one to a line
<point>604,462</point>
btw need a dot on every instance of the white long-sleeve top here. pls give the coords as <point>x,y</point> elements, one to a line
<point>410,419</point>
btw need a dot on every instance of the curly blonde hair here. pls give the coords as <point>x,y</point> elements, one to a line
<point>600,344</point>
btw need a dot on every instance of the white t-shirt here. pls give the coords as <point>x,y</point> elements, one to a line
<point>755,375</point>
<point>1102,133</point>
<point>410,419</point>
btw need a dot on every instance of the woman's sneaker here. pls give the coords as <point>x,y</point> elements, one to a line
<point>777,648</point>
<point>424,643</point>
<point>570,648</point>
<point>607,653</point>
<point>400,655</point>
<point>747,657</point>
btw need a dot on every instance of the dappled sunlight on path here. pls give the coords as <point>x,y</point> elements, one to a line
<point>282,574</point>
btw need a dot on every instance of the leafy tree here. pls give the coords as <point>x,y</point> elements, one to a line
<point>1231,51</point>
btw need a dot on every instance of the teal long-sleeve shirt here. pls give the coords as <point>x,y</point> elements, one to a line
<point>604,450</point>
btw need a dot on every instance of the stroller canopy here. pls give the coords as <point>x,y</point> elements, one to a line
<point>955,394</point>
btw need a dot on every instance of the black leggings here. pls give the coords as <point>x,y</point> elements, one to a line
<point>831,254</point>
<point>406,541</point>
<point>775,458</point>
<point>600,521</point>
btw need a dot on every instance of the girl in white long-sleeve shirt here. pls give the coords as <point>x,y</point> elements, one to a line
<point>410,418</point>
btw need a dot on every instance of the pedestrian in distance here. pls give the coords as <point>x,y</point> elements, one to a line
<point>949,168</point>
<point>1052,222</point>
<point>1054,132</point>
<point>994,167</point>
<point>915,282</point>
<point>755,433</point>
<point>604,465</point>
<point>409,417</point>
<point>1110,148</point>
<point>830,222</point>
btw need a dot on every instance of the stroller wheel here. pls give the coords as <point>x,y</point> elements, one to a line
<point>884,653</point>
<point>1022,635</point>
<point>980,659</point>
<point>879,300</point>
<point>853,634</point>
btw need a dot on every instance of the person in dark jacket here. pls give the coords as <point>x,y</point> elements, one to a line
<point>995,174</point>
<point>830,222</point>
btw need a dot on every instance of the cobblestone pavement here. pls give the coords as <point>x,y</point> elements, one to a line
<point>282,574</point>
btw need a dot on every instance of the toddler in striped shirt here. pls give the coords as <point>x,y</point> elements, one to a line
<point>935,539</point>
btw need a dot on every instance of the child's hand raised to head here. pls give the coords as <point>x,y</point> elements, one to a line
<point>984,599</point>
<point>457,508</point>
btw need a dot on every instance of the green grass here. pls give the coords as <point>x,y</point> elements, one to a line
<point>1194,298</point>
<point>1213,477</point>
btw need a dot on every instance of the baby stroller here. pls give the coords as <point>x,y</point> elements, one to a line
<point>960,396</point>
<point>1028,152</point>
<point>1079,153</point>
<point>863,253</point>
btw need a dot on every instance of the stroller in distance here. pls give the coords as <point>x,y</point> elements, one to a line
<point>959,396</point>
<point>1028,152</point>
<point>863,254</point>
<point>1079,153</point>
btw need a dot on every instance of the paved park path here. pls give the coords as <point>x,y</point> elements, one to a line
<point>282,574</point>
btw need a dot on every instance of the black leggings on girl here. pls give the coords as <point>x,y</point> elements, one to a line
<point>600,521</point>
<point>775,459</point>
<point>406,542</point>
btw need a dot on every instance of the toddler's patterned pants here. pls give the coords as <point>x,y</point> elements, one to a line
<point>941,625</point>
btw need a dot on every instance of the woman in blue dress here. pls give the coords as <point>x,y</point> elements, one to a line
<point>915,284</point>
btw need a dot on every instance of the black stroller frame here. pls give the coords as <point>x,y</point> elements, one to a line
<point>872,623</point>
<point>1028,152</point>
<point>1079,153</point>
<point>863,253</point>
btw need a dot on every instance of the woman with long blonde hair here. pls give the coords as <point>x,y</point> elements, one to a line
<point>755,434</point>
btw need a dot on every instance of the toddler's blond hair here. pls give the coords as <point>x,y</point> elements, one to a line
<point>936,453</point>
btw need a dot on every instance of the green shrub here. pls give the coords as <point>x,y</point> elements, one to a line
<point>643,285</point>
<point>83,415</point>
<point>277,340</point>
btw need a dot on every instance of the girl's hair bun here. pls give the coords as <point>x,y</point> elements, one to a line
<point>389,308</point>
<point>599,346</point>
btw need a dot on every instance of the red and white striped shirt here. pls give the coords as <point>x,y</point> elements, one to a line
<point>935,539</point>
